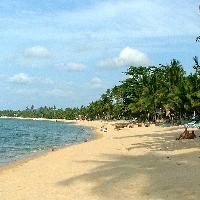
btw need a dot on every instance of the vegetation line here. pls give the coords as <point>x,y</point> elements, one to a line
<point>147,93</point>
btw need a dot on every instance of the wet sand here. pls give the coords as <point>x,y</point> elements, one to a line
<point>141,163</point>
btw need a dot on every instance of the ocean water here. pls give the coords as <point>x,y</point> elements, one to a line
<point>23,138</point>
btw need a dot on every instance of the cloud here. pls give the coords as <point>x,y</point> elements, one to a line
<point>56,92</point>
<point>21,78</point>
<point>44,81</point>
<point>26,92</point>
<point>78,67</point>
<point>128,56</point>
<point>96,82</point>
<point>37,52</point>
<point>95,32</point>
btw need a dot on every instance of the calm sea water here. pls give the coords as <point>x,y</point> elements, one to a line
<point>22,138</point>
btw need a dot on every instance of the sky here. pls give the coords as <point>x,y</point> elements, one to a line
<point>68,52</point>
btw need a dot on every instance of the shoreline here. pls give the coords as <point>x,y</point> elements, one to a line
<point>124,164</point>
<point>96,135</point>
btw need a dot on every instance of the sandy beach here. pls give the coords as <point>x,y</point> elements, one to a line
<point>140,163</point>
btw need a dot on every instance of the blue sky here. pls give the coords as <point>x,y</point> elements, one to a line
<point>68,52</point>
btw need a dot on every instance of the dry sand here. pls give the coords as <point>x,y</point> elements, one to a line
<point>140,163</point>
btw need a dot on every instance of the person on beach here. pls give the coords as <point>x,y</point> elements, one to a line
<point>104,129</point>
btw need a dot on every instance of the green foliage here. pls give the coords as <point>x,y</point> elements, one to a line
<point>147,93</point>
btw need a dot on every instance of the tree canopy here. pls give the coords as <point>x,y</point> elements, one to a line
<point>147,93</point>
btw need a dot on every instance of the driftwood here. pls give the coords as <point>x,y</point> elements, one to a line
<point>186,135</point>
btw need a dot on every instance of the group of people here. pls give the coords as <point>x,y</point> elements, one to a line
<point>104,128</point>
<point>187,135</point>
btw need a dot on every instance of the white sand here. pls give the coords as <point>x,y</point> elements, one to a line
<point>140,163</point>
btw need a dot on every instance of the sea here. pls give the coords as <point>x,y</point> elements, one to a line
<point>20,138</point>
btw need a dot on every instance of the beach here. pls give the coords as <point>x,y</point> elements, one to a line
<point>140,163</point>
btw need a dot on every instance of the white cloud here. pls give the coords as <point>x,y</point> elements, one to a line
<point>21,78</point>
<point>96,82</point>
<point>56,92</point>
<point>44,81</point>
<point>72,66</point>
<point>128,56</point>
<point>37,52</point>
<point>26,92</point>
<point>148,17</point>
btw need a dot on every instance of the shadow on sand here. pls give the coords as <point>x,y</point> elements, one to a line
<point>165,141</point>
<point>152,176</point>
